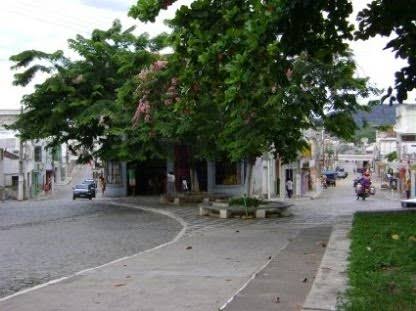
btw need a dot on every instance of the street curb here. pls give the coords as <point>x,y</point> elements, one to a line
<point>316,195</point>
<point>89,270</point>
<point>385,195</point>
<point>331,279</point>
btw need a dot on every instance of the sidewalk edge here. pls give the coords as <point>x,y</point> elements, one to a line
<point>331,279</point>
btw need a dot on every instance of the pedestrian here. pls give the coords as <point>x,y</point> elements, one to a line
<point>184,185</point>
<point>171,182</point>
<point>289,188</point>
<point>408,187</point>
<point>103,184</point>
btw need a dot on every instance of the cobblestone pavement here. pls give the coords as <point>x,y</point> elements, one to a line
<point>49,239</point>
<point>334,204</point>
<point>45,240</point>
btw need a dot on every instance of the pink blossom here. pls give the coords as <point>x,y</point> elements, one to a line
<point>159,65</point>
<point>143,74</point>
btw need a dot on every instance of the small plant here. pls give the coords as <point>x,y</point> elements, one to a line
<point>391,156</point>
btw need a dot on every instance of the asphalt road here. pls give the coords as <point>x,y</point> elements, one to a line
<point>44,240</point>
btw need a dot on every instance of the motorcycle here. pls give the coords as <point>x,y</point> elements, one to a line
<point>364,192</point>
<point>324,183</point>
<point>361,192</point>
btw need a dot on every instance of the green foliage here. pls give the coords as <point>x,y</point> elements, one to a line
<point>253,75</point>
<point>385,128</point>
<point>147,10</point>
<point>88,101</point>
<point>391,156</point>
<point>381,267</point>
<point>396,20</point>
<point>365,131</point>
<point>249,202</point>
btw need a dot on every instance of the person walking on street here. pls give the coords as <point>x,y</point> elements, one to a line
<point>102,183</point>
<point>289,188</point>
<point>184,185</point>
<point>408,187</point>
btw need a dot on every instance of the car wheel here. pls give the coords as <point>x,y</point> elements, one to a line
<point>73,197</point>
<point>90,197</point>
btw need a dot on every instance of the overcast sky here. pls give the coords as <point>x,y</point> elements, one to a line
<point>47,24</point>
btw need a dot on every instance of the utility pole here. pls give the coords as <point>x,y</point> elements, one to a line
<point>323,150</point>
<point>21,181</point>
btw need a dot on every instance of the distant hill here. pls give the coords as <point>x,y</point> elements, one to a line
<point>380,115</point>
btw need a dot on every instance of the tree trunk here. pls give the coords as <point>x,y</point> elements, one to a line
<point>249,176</point>
<point>194,179</point>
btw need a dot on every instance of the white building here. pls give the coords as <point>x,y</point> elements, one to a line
<point>27,164</point>
<point>406,131</point>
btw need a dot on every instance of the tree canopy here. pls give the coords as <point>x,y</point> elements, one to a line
<point>252,75</point>
<point>397,19</point>
<point>87,101</point>
<point>244,78</point>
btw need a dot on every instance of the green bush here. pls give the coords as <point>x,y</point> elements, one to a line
<point>249,201</point>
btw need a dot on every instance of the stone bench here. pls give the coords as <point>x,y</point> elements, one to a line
<point>223,210</point>
<point>209,210</point>
<point>273,209</point>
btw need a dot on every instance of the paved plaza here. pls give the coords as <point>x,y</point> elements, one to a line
<point>203,263</point>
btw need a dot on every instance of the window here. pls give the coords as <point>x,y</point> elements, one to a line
<point>38,154</point>
<point>227,173</point>
<point>113,173</point>
<point>408,137</point>
<point>15,181</point>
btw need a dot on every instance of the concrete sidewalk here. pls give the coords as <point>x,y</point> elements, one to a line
<point>198,271</point>
<point>285,282</point>
<point>331,280</point>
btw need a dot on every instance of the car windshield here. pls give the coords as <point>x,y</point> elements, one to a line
<point>81,186</point>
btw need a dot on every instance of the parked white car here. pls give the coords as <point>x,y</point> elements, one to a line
<point>409,202</point>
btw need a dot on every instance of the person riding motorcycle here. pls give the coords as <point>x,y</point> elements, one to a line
<point>365,184</point>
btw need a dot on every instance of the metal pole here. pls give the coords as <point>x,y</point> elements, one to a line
<point>21,181</point>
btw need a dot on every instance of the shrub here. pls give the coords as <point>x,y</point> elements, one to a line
<point>249,201</point>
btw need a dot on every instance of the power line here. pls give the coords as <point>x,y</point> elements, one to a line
<point>85,23</point>
<point>39,19</point>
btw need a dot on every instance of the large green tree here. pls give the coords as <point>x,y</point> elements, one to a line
<point>252,75</point>
<point>88,100</point>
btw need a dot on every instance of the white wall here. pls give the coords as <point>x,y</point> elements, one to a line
<point>405,118</point>
<point>387,146</point>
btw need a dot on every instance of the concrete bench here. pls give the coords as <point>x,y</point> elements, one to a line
<point>223,210</point>
<point>208,210</point>
<point>273,209</point>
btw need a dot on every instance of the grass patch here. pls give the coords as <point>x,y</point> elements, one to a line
<point>382,263</point>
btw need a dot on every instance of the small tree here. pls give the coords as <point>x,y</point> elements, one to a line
<point>84,100</point>
<point>392,156</point>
